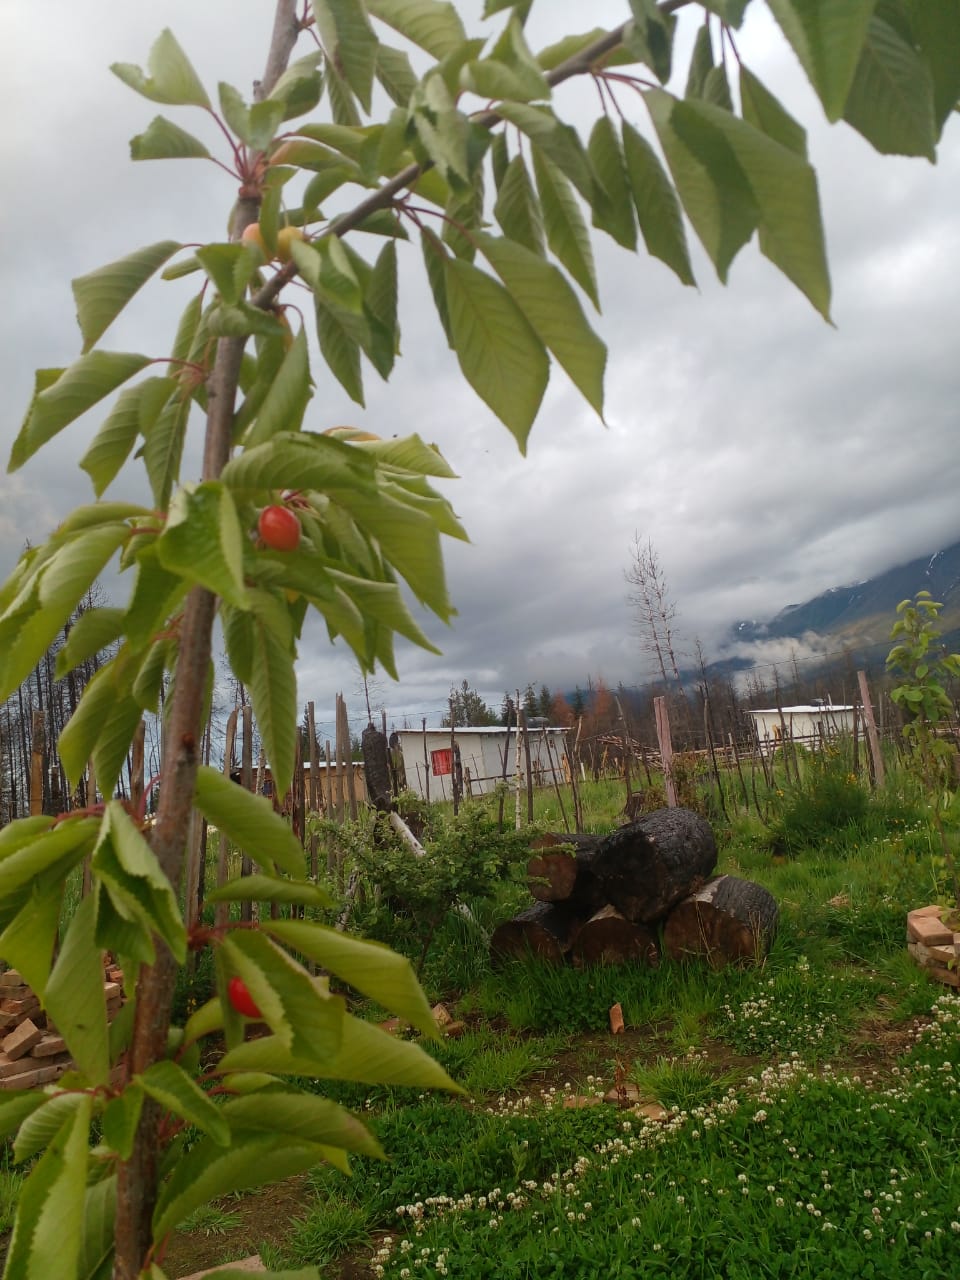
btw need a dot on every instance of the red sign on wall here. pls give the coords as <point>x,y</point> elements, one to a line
<point>441,762</point>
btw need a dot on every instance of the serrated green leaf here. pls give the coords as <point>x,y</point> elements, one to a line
<point>48,1229</point>
<point>433,25</point>
<point>340,351</point>
<point>349,42</point>
<point>613,208</point>
<point>255,126</point>
<point>300,86</point>
<point>99,1215</point>
<point>103,714</point>
<point>367,1055</point>
<point>287,397</point>
<point>203,542</point>
<point>442,131</point>
<point>555,141</point>
<point>94,631</point>
<point>434,259</point>
<point>42,1126</point>
<point>77,389</point>
<point>550,305</point>
<point>164,140</point>
<point>517,208</point>
<point>935,32</point>
<point>114,440</point>
<point>381,974</point>
<point>566,230</point>
<point>827,37</point>
<point>207,1171</point>
<point>891,99</point>
<point>701,62</point>
<point>74,995</point>
<point>304,1117</point>
<point>28,941</point>
<point>61,846</point>
<point>395,74</point>
<point>163,446</point>
<point>126,865</point>
<point>499,353</point>
<point>249,821</point>
<point>296,1007</point>
<point>15,1107</point>
<point>765,112</point>
<point>101,295</point>
<point>172,79</point>
<point>170,1085</point>
<point>120,1119</point>
<point>650,37</point>
<point>300,460</point>
<point>231,267</point>
<point>711,184</point>
<point>273,692</point>
<point>658,210</point>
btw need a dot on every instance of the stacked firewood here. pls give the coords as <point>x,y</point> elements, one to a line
<point>31,1051</point>
<point>646,888</point>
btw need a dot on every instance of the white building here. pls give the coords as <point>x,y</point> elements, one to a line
<point>429,760</point>
<point>807,725</point>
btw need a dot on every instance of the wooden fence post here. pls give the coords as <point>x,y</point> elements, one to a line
<point>221,912</point>
<point>36,764</point>
<point>314,783</point>
<point>662,718</point>
<point>873,739</point>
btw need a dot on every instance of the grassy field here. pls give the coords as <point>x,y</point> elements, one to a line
<point>813,1113</point>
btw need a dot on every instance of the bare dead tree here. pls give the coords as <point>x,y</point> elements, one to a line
<point>654,610</point>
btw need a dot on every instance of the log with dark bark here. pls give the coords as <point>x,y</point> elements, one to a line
<point>609,938</point>
<point>646,867</point>
<point>727,920</point>
<point>545,930</point>
<point>556,875</point>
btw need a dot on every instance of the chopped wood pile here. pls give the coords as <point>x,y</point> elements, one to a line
<point>626,897</point>
<point>31,1051</point>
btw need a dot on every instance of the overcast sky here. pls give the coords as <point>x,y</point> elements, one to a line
<point>767,455</point>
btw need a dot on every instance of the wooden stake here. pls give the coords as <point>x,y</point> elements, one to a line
<point>221,912</point>
<point>873,739</point>
<point>662,717</point>
<point>36,764</point>
<point>314,784</point>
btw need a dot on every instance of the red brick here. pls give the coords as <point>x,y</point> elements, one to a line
<point>20,1007</point>
<point>11,978</point>
<point>21,992</point>
<point>928,929</point>
<point>112,990</point>
<point>48,1046</point>
<point>36,1075</point>
<point>932,910</point>
<point>9,1066</point>
<point>22,1040</point>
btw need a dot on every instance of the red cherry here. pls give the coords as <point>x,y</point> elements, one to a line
<point>241,999</point>
<point>279,528</point>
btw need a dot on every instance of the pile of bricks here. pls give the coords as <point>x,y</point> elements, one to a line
<point>31,1051</point>
<point>934,945</point>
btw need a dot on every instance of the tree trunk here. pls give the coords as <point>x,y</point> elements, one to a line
<point>545,930</point>
<point>376,768</point>
<point>609,938</point>
<point>648,866</point>
<point>728,920</point>
<point>555,874</point>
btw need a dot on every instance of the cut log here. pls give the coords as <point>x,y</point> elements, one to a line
<point>558,875</point>
<point>646,867</point>
<point>728,920</point>
<point>609,938</point>
<point>545,930</point>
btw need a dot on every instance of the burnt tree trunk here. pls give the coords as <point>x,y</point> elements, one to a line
<point>609,938</point>
<point>556,875</point>
<point>376,768</point>
<point>728,920</point>
<point>646,867</point>
<point>545,930</point>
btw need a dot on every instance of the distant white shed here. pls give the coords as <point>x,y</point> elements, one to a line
<point>810,726</point>
<point>429,761</point>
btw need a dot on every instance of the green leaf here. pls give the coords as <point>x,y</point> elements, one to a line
<point>297,1008</point>
<point>613,210</point>
<point>77,389</point>
<point>433,25</point>
<point>658,210</point>
<point>114,440</point>
<point>273,692</point>
<point>340,351</point>
<point>93,631</point>
<point>554,141</point>
<point>366,1055</point>
<point>434,260</point>
<point>517,208</point>
<point>550,305</point>
<point>29,939</point>
<point>170,1085</point>
<point>128,868</point>
<point>567,233</point>
<point>300,86</point>
<point>164,140</point>
<point>120,1119</point>
<point>891,98</point>
<point>207,1171</point>
<point>511,71</point>
<point>260,888</point>
<point>395,74</point>
<point>241,320</point>
<point>203,542</point>
<point>383,602</point>
<point>256,125</point>
<point>101,295</point>
<point>289,393</point>
<point>48,1230</point>
<point>99,1214</point>
<point>711,184</point>
<point>15,1107</point>
<point>172,79</point>
<point>827,36</point>
<point>381,974</point>
<point>701,62</point>
<point>61,847</point>
<point>499,353</point>
<point>74,996</point>
<point>765,112</point>
<point>650,38</point>
<point>349,42</point>
<point>163,446</point>
<point>249,821</point>
<point>300,460</point>
<point>42,1126</point>
<point>935,32</point>
<point>443,131</point>
<point>231,267</point>
<point>303,1116</point>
